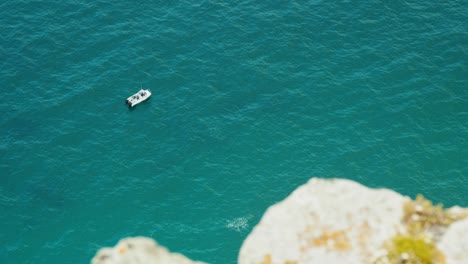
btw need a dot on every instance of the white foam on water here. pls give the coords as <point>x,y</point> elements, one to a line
<point>239,224</point>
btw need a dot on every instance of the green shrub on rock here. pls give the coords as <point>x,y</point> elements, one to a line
<point>424,223</point>
<point>412,250</point>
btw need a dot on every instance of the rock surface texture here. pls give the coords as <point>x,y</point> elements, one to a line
<point>454,243</point>
<point>340,221</point>
<point>139,250</point>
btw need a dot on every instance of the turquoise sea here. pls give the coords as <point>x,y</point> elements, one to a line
<point>250,100</point>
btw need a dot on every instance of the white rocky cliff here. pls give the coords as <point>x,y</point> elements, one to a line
<point>340,221</point>
<point>334,221</point>
<point>139,250</point>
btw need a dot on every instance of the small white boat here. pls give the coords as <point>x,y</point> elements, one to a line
<point>137,98</point>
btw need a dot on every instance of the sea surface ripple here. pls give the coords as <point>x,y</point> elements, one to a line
<point>250,100</point>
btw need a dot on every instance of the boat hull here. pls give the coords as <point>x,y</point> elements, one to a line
<point>138,98</point>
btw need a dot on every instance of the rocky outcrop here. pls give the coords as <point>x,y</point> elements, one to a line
<point>334,221</point>
<point>340,221</point>
<point>139,250</point>
<point>454,243</point>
